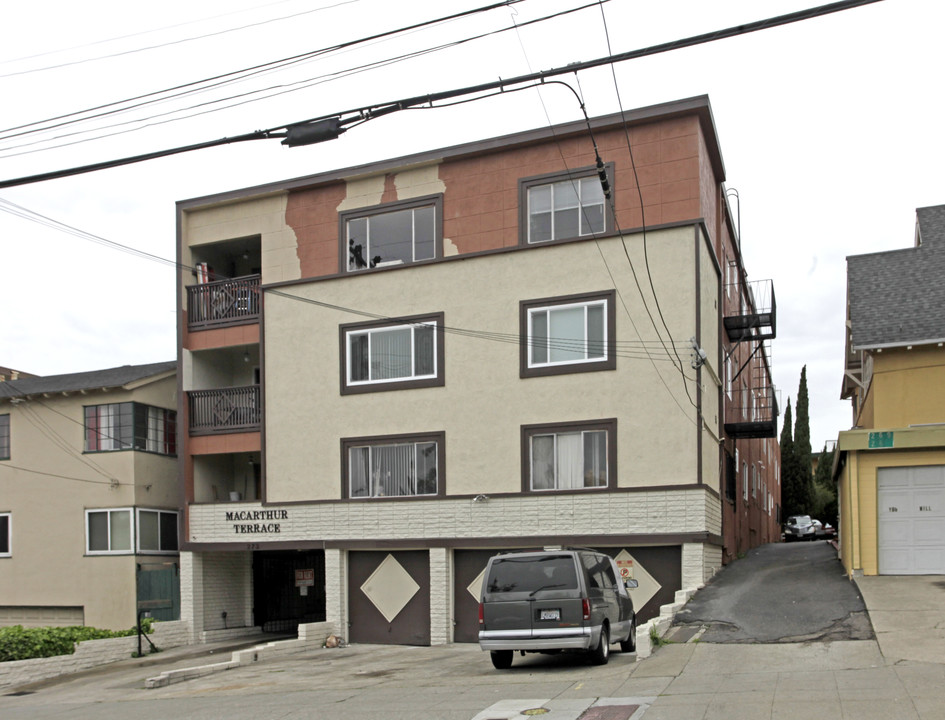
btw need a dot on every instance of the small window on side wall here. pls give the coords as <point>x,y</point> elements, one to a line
<point>397,233</point>
<point>563,206</point>
<point>6,531</point>
<point>395,354</point>
<point>567,334</point>
<point>569,456</point>
<point>157,531</point>
<point>109,532</point>
<point>4,437</point>
<point>393,466</point>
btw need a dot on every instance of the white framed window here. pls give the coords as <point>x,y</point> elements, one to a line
<point>745,481</point>
<point>109,532</point>
<point>6,535</point>
<point>572,456</point>
<point>395,466</point>
<point>392,355</point>
<point>130,426</point>
<point>157,531</point>
<point>568,334</point>
<point>563,206</point>
<point>392,234</point>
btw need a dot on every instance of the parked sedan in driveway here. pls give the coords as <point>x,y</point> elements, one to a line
<point>799,527</point>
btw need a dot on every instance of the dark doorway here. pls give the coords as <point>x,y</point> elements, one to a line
<point>279,603</point>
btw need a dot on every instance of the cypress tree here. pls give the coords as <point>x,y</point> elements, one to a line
<point>791,504</point>
<point>802,450</point>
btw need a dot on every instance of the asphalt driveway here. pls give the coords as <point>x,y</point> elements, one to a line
<point>778,593</point>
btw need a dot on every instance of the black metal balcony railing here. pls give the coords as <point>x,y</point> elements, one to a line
<point>753,413</point>
<point>224,410</point>
<point>758,317</point>
<point>224,302</point>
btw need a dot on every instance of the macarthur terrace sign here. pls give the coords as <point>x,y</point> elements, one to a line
<point>257,521</point>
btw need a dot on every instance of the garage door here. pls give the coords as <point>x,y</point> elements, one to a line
<point>389,597</point>
<point>911,520</point>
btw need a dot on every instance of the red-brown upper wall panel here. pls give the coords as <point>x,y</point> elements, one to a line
<point>481,193</point>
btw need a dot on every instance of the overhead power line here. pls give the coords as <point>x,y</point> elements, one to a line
<point>330,126</point>
<point>120,106</point>
<point>240,99</point>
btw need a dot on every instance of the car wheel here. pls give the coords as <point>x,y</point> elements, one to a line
<point>601,654</point>
<point>630,644</point>
<point>501,659</point>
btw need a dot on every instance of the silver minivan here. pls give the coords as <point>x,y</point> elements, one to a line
<point>553,600</point>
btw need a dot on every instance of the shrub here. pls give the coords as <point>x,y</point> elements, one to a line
<point>19,643</point>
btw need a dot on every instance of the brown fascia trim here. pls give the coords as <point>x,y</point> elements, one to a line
<point>473,543</point>
<point>698,106</point>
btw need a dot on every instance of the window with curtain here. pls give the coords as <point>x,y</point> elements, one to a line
<point>565,335</point>
<point>393,468</point>
<point>563,206</point>
<point>108,531</point>
<point>388,356</point>
<point>569,457</point>
<point>128,425</point>
<point>393,234</point>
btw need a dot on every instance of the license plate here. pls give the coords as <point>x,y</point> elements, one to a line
<point>554,614</point>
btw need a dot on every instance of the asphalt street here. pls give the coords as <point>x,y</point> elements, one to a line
<point>820,661</point>
<point>779,593</point>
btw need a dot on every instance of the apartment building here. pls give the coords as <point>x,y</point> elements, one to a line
<point>89,497</point>
<point>890,467</point>
<point>390,372</point>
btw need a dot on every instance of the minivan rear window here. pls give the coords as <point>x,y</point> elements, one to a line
<point>531,574</point>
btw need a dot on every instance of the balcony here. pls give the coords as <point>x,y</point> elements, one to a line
<point>223,302</point>
<point>757,319</point>
<point>224,410</point>
<point>753,413</point>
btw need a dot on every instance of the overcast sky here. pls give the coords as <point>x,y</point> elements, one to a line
<point>830,131</point>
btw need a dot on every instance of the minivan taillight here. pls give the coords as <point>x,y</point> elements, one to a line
<point>480,613</point>
<point>585,607</point>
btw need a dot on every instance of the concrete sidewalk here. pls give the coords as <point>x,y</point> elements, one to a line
<point>845,679</point>
<point>908,615</point>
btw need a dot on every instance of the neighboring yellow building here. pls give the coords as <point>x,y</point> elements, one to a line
<point>88,497</point>
<point>890,468</point>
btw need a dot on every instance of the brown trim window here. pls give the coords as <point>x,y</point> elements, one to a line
<point>569,456</point>
<point>397,233</point>
<point>570,334</point>
<point>395,354</point>
<point>393,466</point>
<point>563,206</point>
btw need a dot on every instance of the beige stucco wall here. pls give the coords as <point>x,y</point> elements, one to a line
<point>263,217</point>
<point>657,427</point>
<point>712,371</point>
<point>49,483</point>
